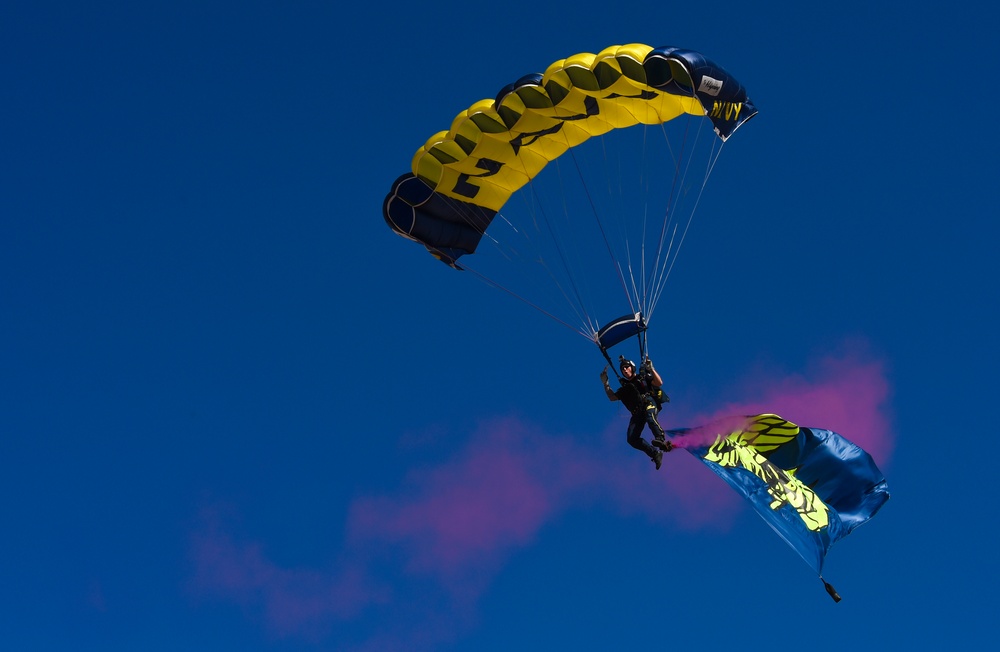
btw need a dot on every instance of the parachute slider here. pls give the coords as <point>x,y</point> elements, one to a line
<point>620,330</point>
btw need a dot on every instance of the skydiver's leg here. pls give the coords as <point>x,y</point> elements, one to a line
<point>654,425</point>
<point>635,440</point>
<point>659,436</point>
<point>634,434</point>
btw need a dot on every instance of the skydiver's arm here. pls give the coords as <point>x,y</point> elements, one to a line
<point>607,387</point>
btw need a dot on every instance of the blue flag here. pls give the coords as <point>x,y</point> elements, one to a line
<point>812,486</point>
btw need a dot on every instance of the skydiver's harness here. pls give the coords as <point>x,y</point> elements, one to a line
<point>639,394</point>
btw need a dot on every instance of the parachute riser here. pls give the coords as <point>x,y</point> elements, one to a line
<point>611,364</point>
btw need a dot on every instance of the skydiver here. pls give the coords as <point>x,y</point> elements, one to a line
<point>642,394</point>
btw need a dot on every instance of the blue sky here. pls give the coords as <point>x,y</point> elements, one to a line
<point>239,413</point>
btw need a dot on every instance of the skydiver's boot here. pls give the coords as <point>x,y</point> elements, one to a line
<point>657,458</point>
<point>660,441</point>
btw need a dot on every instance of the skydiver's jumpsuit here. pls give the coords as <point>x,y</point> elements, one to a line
<point>636,394</point>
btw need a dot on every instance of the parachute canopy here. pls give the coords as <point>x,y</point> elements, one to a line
<point>462,177</point>
<point>607,156</point>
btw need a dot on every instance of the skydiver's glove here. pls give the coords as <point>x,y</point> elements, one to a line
<point>604,379</point>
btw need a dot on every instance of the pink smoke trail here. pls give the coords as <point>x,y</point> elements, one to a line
<point>427,552</point>
<point>846,391</point>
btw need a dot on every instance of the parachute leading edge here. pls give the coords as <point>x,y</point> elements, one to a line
<point>461,178</point>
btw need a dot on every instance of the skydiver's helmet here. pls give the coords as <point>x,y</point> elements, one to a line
<point>623,363</point>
